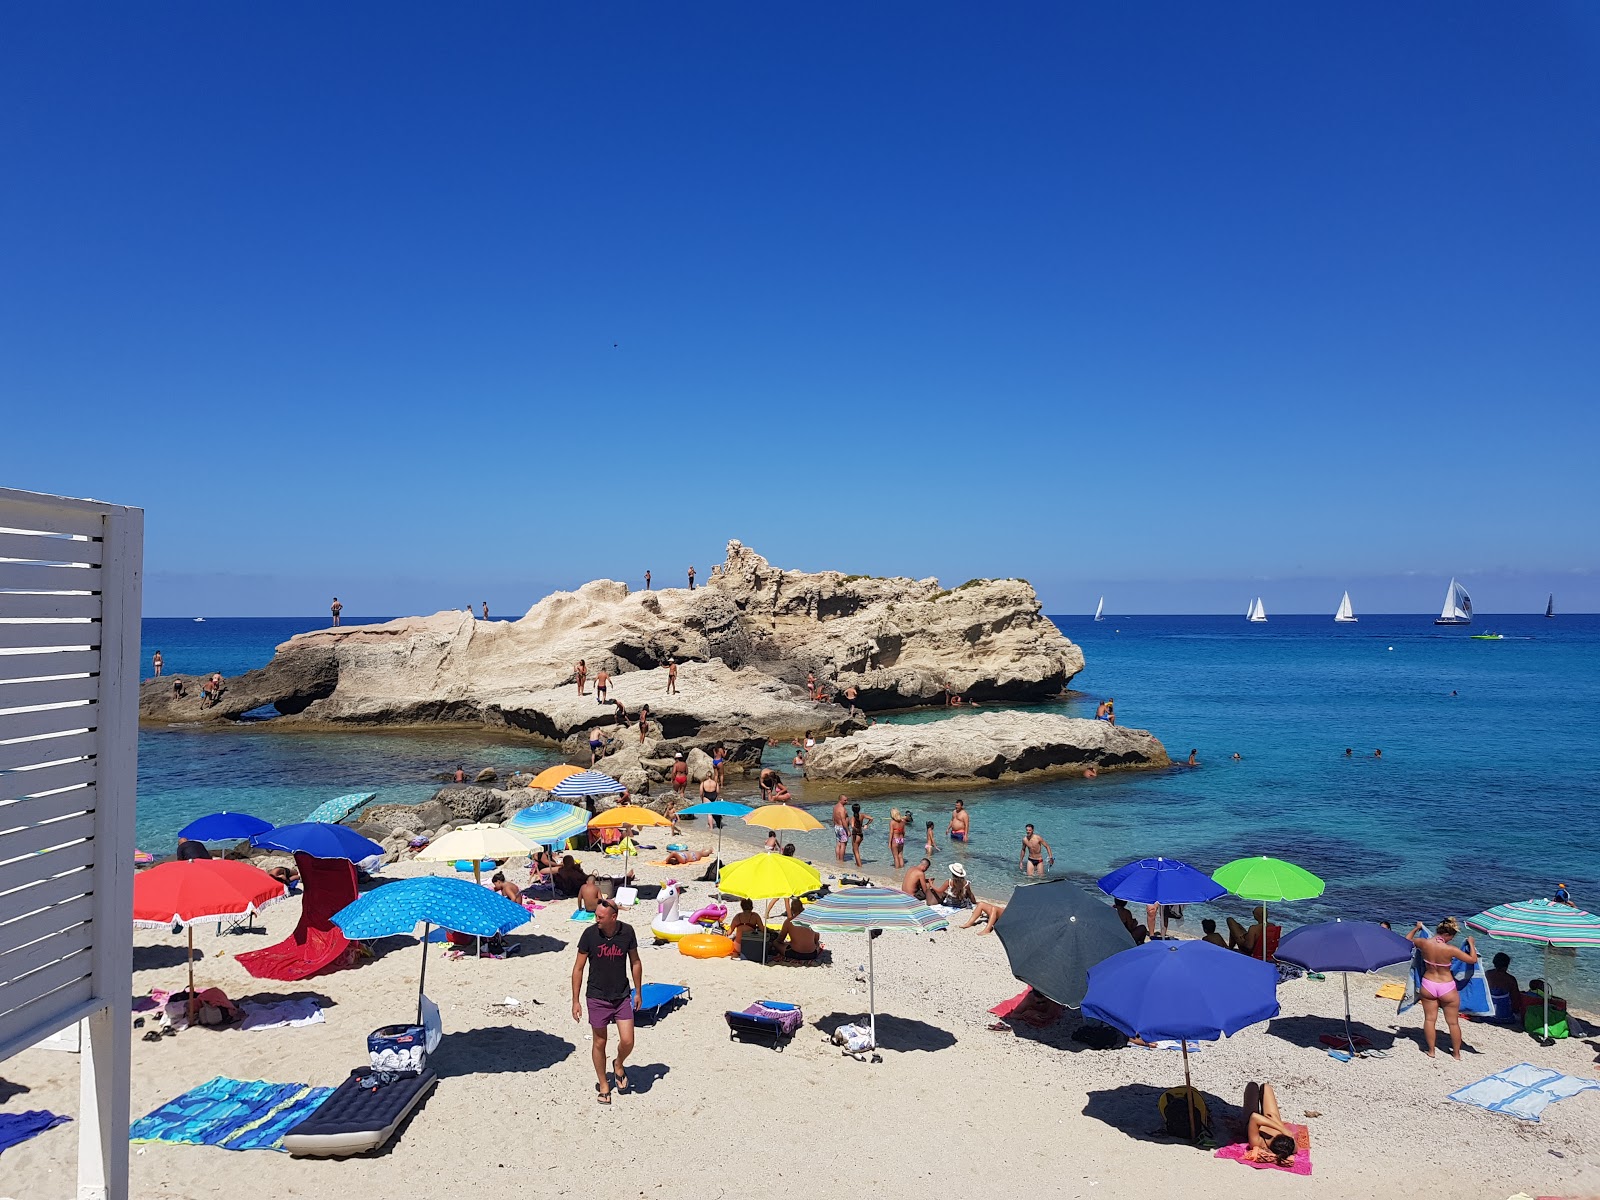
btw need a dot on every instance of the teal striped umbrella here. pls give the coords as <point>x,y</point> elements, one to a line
<point>867,910</point>
<point>587,783</point>
<point>550,823</point>
<point>339,807</point>
<point>1542,921</point>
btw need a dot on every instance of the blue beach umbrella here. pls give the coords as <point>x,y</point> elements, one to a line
<point>339,807</point>
<point>1161,881</point>
<point>549,823</point>
<point>429,900</point>
<point>1344,946</point>
<point>224,827</point>
<point>320,840</point>
<point>588,783</point>
<point>717,808</point>
<point>1181,990</point>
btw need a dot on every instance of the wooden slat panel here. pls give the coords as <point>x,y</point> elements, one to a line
<point>30,577</point>
<point>42,951</point>
<point>48,604</point>
<point>34,838</point>
<point>49,662</point>
<point>17,784</point>
<point>40,721</point>
<point>45,750</point>
<point>32,1023</point>
<point>35,925</point>
<point>16,993</point>
<point>39,809</point>
<point>51,891</point>
<point>49,549</point>
<point>36,635</point>
<point>48,691</point>
<point>49,514</point>
<point>38,867</point>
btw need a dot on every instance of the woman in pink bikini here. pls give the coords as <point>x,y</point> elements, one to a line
<point>1438,986</point>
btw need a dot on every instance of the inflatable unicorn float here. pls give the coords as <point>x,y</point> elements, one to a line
<point>669,925</point>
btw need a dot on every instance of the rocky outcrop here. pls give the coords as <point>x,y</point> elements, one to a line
<point>997,745</point>
<point>745,644</point>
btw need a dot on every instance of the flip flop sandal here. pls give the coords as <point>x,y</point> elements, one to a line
<point>602,1097</point>
<point>622,1080</point>
<point>153,1036</point>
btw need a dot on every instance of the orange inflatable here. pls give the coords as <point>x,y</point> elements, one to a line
<point>707,945</point>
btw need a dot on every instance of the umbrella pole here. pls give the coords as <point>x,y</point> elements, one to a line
<point>190,957</point>
<point>1348,1036</point>
<point>1188,1091</point>
<point>719,864</point>
<point>422,979</point>
<point>872,990</point>
<point>1545,1038</point>
<point>477,878</point>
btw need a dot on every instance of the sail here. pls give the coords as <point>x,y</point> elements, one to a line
<point>1345,613</point>
<point>1550,606</point>
<point>1100,608</point>
<point>1258,611</point>
<point>1457,606</point>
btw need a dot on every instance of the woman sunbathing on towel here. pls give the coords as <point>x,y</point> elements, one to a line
<point>677,858</point>
<point>1270,1139</point>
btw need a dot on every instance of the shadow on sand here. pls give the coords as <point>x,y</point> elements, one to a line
<point>1134,1109</point>
<point>498,1049</point>
<point>894,1033</point>
<point>161,956</point>
<point>1306,1031</point>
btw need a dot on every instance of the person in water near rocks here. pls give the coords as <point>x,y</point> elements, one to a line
<point>858,831</point>
<point>960,824</point>
<point>841,827</point>
<point>1034,850</point>
<point>1377,754</point>
<point>897,839</point>
<point>1091,772</point>
<point>680,774</point>
<point>1437,989</point>
<point>1106,711</point>
<point>1193,761</point>
<point>461,773</point>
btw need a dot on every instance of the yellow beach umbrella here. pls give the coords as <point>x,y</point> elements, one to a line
<point>628,814</point>
<point>783,816</point>
<point>551,776</point>
<point>770,877</point>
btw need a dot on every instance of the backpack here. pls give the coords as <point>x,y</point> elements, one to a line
<point>1174,1106</point>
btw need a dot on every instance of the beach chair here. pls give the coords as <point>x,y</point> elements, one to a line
<point>317,944</point>
<point>656,998</point>
<point>769,1021</point>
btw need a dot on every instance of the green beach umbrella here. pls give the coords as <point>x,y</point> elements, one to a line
<point>1545,923</point>
<point>1267,880</point>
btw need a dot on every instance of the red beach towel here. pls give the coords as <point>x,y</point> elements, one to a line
<point>1302,1153</point>
<point>1041,1010</point>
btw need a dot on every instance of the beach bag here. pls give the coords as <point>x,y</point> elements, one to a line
<point>854,1038</point>
<point>1533,1020</point>
<point>398,1048</point>
<point>1174,1106</point>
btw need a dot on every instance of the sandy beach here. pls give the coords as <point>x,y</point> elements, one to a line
<point>952,1106</point>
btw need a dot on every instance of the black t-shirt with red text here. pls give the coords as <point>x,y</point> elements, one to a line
<point>608,960</point>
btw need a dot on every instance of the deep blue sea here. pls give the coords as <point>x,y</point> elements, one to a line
<point>1487,791</point>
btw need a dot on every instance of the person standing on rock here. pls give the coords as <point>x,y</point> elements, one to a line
<point>841,827</point>
<point>647,579</point>
<point>672,677</point>
<point>156,663</point>
<point>582,673</point>
<point>622,712</point>
<point>691,579</point>
<point>644,721</point>
<point>336,610</point>
<point>602,679</point>
<point>485,610</point>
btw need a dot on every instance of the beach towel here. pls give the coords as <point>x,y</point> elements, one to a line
<point>281,1014</point>
<point>1523,1091</point>
<point>1474,992</point>
<point>1391,991</point>
<point>1029,1008</point>
<point>235,1114</point>
<point>317,945</point>
<point>1302,1153</point>
<point>1194,1047</point>
<point>581,915</point>
<point>19,1127</point>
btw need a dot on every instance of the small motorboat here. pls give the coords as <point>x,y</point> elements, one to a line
<point>1488,637</point>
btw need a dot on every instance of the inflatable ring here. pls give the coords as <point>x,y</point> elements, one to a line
<point>707,945</point>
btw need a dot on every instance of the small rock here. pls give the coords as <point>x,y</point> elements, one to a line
<point>487,775</point>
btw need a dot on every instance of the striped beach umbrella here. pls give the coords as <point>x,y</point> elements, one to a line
<point>867,910</point>
<point>549,823</point>
<point>588,783</point>
<point>1542,921</point>
<point>339,807</point>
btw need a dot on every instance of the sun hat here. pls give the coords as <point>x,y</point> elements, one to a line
<point>958,870</point>
<point>678,755</point>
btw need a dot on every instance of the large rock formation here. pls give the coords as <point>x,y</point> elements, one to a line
<point>744,643</point>
<point>992,745</point>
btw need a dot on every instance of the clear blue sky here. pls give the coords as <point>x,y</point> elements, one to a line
<point>425,304</point>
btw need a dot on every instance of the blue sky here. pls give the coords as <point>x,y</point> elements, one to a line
<point>423,306</point>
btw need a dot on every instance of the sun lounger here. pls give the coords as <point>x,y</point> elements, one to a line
<point>356,1119</point>
<point>765,1021</point>
<point>656,998</point>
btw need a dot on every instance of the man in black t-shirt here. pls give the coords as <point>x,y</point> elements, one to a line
<point>611,950</point>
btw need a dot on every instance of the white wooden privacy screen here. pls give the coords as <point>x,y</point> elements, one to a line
<point>69,675</point>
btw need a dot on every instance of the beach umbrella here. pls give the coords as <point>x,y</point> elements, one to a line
<point>320,840</point>
<point>177,894</point>
<point>477,842</point>
<point>1267,879</point>
<point>224,827</point>
<point>782,816</point>
<point>587,783</point>
<point>1542,921</point>
<point>1053,933</point>
<point>717,808</point>
<point>1161,881</point>
<point>1345,946</point>
<point>550,776</point>
<point>1181,990</point>
<point>867,910</point>
<point>429,900</point>
<point>770,877</point>
<point>628,814</point>
<point>549,823</point>
<point>339,807</point>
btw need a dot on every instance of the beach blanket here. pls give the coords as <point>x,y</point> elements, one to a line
<point>1391,991</point>
<point>1302,1153</point>
<point>235,1114</point>
<point>280,1015</point>
<point>1523,1091</point>
<point>1025,1006</point>
<point>1194,1047</point>
<point>19,1127</point>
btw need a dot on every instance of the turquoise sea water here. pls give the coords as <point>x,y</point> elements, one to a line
<point>1480,797</point>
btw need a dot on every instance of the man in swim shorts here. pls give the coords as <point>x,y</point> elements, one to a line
<point>601,679</point>
<point>960,823</point>
<point>609,948</point>
<point>841,827</point>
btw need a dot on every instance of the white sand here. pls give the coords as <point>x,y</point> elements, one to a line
<point>951,1107</point>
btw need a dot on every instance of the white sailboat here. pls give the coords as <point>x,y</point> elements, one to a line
<point>1457,606</point>
<point>1345,615</point>
<point>1256,612</point>
<point>1099,609</point>
<point>1550,606</point>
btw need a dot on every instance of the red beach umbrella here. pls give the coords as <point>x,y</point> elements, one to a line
<point>177,894</point>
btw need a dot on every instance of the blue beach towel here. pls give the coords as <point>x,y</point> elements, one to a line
<point>19,1127</point>
<point>1523,1091</point>
<point>235,1114</point>
<point>581,915</point>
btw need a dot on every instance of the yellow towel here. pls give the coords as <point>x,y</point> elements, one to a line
<point>1392,991</point>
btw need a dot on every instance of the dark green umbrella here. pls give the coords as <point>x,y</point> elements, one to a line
<point>1053,933</point>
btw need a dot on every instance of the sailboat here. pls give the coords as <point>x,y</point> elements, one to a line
<point>1457,606</point>
<point>1550,606</point>
<point>1256,612</point>
<point>1101,607</point>
<point>1346,614</point>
